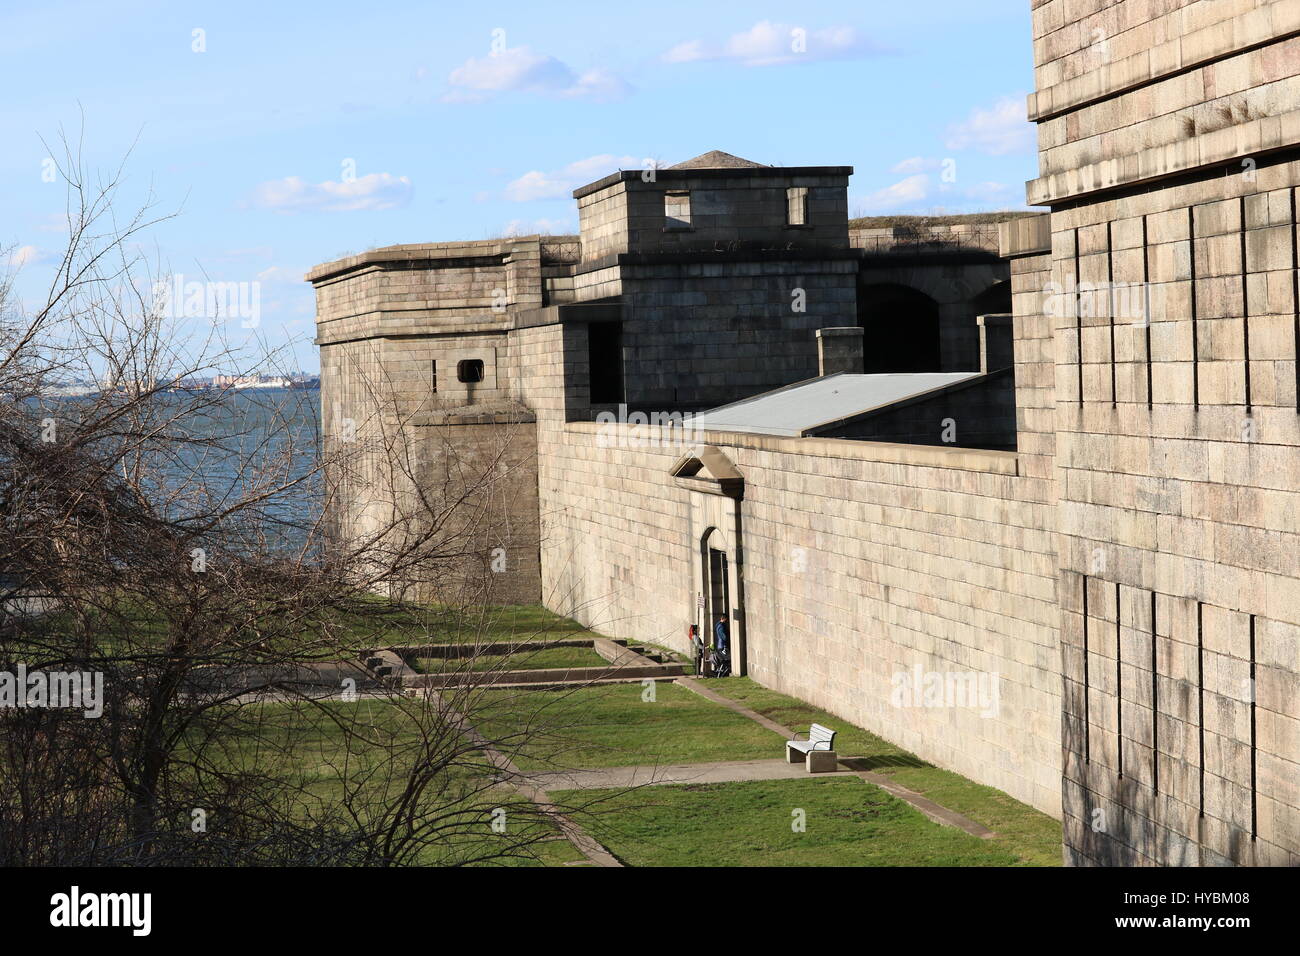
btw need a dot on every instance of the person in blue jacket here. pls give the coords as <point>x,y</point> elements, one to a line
<point>720,639</point>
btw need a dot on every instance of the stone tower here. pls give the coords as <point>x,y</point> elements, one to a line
<point>688,287</point>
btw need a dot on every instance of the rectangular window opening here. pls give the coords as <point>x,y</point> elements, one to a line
<point>796,206</point>
<point>470,370</point>
<point>677,209</point>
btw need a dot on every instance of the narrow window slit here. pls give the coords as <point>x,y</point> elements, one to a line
<point>1146,305</point>
<point>1295,299</point>
<point>1110,299</point>
<point>1245,306</point>
<point>1155,704</point>
<point>1087,756</point>
<point>1200,700</point>
<point>1119,690</point>
<point>1254,782</point>
<point>1078,313</point>
<point>1191,265</point>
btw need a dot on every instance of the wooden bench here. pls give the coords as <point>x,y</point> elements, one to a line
<point>817,752</point>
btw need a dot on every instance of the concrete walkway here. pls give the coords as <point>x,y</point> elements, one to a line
<point>622,778</point>
<point>856,766</point>
<point>588,846</point>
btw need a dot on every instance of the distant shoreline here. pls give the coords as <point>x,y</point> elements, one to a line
<point>78,391</point>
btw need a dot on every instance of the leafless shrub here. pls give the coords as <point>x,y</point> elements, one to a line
<point>154,533</point>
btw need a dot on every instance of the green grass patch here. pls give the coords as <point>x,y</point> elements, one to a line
<point>846,823</point>
<point>306,747</point>
<point>1030,834</point>
<point>613,726</point>
<point>550,658</point>
<point>390,625</point>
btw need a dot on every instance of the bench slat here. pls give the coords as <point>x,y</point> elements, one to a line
<point>819,738</point>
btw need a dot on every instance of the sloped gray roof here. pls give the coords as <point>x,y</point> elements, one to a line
<point>797,409</point>
<point>717,159</point>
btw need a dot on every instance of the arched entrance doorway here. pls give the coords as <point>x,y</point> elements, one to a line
<point>717,572</point>
<point>900,329</point>
<point>716,586</point>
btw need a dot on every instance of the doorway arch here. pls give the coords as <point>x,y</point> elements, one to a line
<point>716,586</point>
<point>713,523</point>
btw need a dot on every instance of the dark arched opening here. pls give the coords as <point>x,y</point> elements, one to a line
<point>900,329</point>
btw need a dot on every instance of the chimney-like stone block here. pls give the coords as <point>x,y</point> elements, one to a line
<point>839,349</point>
<point>995,342</point>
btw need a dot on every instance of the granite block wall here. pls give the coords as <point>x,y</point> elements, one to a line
<point>1169,138</point>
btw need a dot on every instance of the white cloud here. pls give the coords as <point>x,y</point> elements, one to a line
<point>520,70</point>
<point>905,192</point>
<point>600,85</point>
<point>375,191</point>
<point>914,164</point>
<point>1000,129</point>
<point>558,184</point>
<point>26,256</point>
<point>767,44</point>
<point>687,52</point>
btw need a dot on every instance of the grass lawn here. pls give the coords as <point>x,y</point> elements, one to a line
<point>847,823</point>
<point>612,726</point>
<point>1033,836</point>
<point>306,747</point>
<point>415,624</point>
<point>551,657</point>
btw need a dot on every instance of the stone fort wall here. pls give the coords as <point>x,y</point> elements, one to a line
<point>861,562</point>
<point>1168,142</point>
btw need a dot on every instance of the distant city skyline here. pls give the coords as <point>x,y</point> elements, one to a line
<point>284,141</point>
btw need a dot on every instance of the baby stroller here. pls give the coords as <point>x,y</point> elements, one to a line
<point>719,662</point>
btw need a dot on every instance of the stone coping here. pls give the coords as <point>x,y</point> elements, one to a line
<point>559,676</point>
<point>925,456</point>
<point>416,251</point>
<point>1027,236</point>
<point>1225,147</point>
<point>625,664</point>
<point>674,174</point>
<point>470,649</point>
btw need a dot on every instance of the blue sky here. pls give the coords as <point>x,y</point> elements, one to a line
<point>302,132</point>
